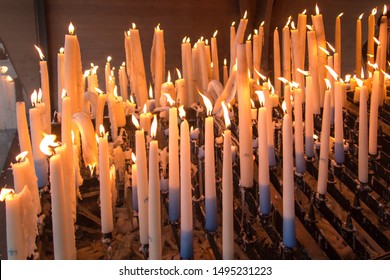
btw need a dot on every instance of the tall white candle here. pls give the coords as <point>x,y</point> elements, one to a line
<point>277,71</point>
<point>288,184</point>
<point>23,135</point>
<point>186,225</point>
<point>298,132</point>
<point>373,127</point>
<point>181,90</point>
<point>60,78</point>
<point>157,62</point>
<point>107,74</point>
<point>313,69</point>
<point>214,56</point>
<point>338,124</point>
<point>270,126</point>
<point>358,48</point>
<point>363,137</point>
<point>286,51</point>
<point>309,122</point>
<point>186,56</point>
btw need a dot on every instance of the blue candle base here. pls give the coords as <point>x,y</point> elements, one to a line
<point>134,198</point>
<point>211,214</point>
<point>339,152</point>
<point>289,232</point>
<point>271,156</point>
<point>309,146</point>
<point>300,163</point>
<point>264,198</point>
<point>186,245</point>
<point>41,170</point>
<point>174,205</point>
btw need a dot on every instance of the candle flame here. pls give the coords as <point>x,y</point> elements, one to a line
<point>377,41</point>
<point>62,50</point>
<point>135,121</point>
<point>233,23</point>
<point>373,65</point>
<point>71,28</point>
<point>224,61</point>
<point>206,42</point>
<point>109,58</point>
<point>178,73</point>
<point>293,25</point>
<point>361,16</point>
<point>184,40</point>
<point>304,12</point>
<point>133,25</point>
<point>315,137</point>
<point>294,85</point>
<point>9,79</point>
<point>102,131</point>
<point>33,98</point>
<point>132,99</point>
<point>256,32</point>
<point>48,144</point>
<point>264,78</point>
<point>284,107</point>
<point>260,94</point>
<point>317,10</point>
<point>123,64</point>
<point>328,84</point>
<point>309,27</point>
<point>324,50</point>
<point>226,115</point>
<point>169,77</point>
<point>188,40</point>
<point>348,78</point>
<point>20,157</point>
<point>39,96</point>
<point>330,47</point>
<point>262,23</point>
<point>359,82</point>
<point>332,72</point>
<point>98,90</point>
<point>252,103</point>
<point>153,128</point>
<point>384,10</point>
<point>144,109</point>
<point>169,99</point>
<point>211,65</point>
<point>150,92</point>
<point>64,93</point>
<point>182,112</point>
<point>303,72</point>
<point>387,76</point>
<point>374,11</point>
<point>6,193</point>
<point>3,69</point>
<point>362,73</point>
<point>370,74</point>
<point>94,70</point>
<point>39,52</point>
<point>215,33</point>
<point>340,15</point>
<point>207,102</point>
<point>73,136</point>
<point>116,92</point>
<point>249,37</point>
<point>245,15</point>
<point>133,157</point>
<point>86,73</point>
<point>127,33</point>
<point>288,21</point>
<point>158,27</point>
<point>283,80</point>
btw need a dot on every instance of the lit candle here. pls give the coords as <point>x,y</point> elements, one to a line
<point>298,132</point>
<point>244,116</point>
<point>134,183</point>
<point>370,39</point>
<point>181,90</point>
<point>288,184</point>
<point>214,56</point>
<point>324,152</point>
<point>337,38</point>
<point>261,41</point>
<point>23,135</point>
<point>358,49</point>
<point>286,62</point>
<point>60,77</point>
<point>270,126</point>
<point>208,60</point>
<point>186,58</point>
<point>295,55</point>
<point>155,247</point>
<point>169,88</point>
<point>373,127</point>
<point>302,19</point>
<point>249,57</point>
<point>142,183</point>
<point>45,89</point>
<point>256,55</point>
<point>227,192</point>
<point>100,109</point>
<point>253,110</point>
<point>232,44</point>
<point>107,74</point>
<point>210,189</point>
<point>203,65</point>
<point>145,120</point>
<point>309,122</point>
<point>277,70</point>
<point>264,184</point>
<point>225,72</point>
<point>313,69</point>
<point>338,124</point>
<point>123,82</point>
<point>174,180</point>
<point>157,62</point>
<point>186,225</point>
<point>36,131</point>
<point>363,134</point>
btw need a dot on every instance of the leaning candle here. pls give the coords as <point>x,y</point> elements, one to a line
<point>142,182</point>
<point>288,184</point>
<point>363,135</point>
<point>45,89</point>
<point>210,190</point>
<point>227,192</point>
<point>298,132</point>
<point>186,225</point>
<point>174,190</point>
<point>264,183</point>
<point>324,152</point>
<point>256,54</point>
<point>244,112</point>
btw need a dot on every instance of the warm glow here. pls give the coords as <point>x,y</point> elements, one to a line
<point>178,73</point>
<point>361,16</point>
<point>211,65</point>
<point>123,64</point>
<point>133,25</point>
<point>317,10</point>
<point>293,25</point>
<point>224,61</point>
<point>48,144</point>
<point>6,194</point>
<point>347,78</point>
<point>233,23</point>
<point>184,40</point>
<point>245,15</point>
<point>262,23</point>
<point>71,29</point>
<point>33,98</point>
<point>135,121</point>
<point>306,73</point>
<point>377,41</point>
<point>304,12</point>
<point>373,65</point>
<point>188,40</point>
<point>153,128</point>
<point>294,85</point>
<point>260,94</point>
<point>374,11</point>
<point>288,21</point>
<point>249,37</point>
<point>94,69</point>
<point>315,137</point>
<point>87,73</point>
<point>144,109</point>
<point>359,82</point>
<point>330,47</point>
<point>387,76</point>
<point>309,27</point>
<point>284,107</point>
<point>73,136</point>
<point>20,157</point>
<point>40,52</point>
<point>362,73</point>
<point>169,99</point>
<point>324,50</point>
<point>328,84</point>
<point>62,50</point>
<point>283,80</point>
<point>340,15</point>
<point>182,112</point>
<point>264,78</point>
<point>384,10</point>
<point>64,93</point>
<point>132,99</point>
<point>98,90</point>
<point>207,103</point>
<point>252,103</point>
<point>256,32</point>
<point>91,167</point>
<point>133,157</point>
<point>3,69</point>
<point>9,79</point>
<point>332,72</point>
<point>116,92</point>
<point>150,92</point>
<point>39,96</point>
<point>158,27</point>
<point>206,42</point>
<point>215,33</point>
<point>169,77</point>
<point>226,115</point>
<point>109,58</point>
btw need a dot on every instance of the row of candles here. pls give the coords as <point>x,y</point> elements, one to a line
<point>77,108</point>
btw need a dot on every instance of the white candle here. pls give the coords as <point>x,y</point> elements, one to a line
<point>298,132</point>
<point>277,83</point>
<point>186,225</point>
<point>324,152</point>
<point>313,69</point>
<point>155,247</point>
<point>256,54</point>
<point>249,57</point>
<point>373,127</point>
<point>203,65</point>
<point>60,78</point>
<point>227,192</point>
<point>309,122</point>
<point>264,184</point>
<point>245,126</point>
<point>363,137</point>
<point>157,62</point>
<point>338,38</point>
<point>107,74</point>
<point>181,90</point>
<point>261,41</point>
<point>23,134</point>
<point>302,19</point>
<point>270,126</point>
<point>169,88</point>
<point>232,44</point>
<point>370,39</point>
<point>134,184</point>
<point>100,110</point>
<point>214,56</point>
<point>358,47</point>
<point>288,185</point>
<point>123,82</point>
<point>286,65</point>
<point>225,73</point>
<point>338,124</point>
<point>186,56</point>
<point>174,181</point>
